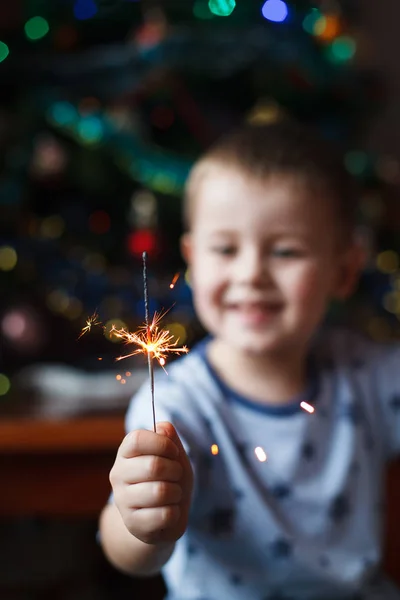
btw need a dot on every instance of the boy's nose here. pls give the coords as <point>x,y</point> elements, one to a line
<point>252,268</point>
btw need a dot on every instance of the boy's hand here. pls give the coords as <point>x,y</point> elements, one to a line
<point>152,481</point>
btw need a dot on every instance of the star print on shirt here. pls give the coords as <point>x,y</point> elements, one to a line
<point>192,549</point>
<point>339,508</point>
<point>236,579</point>
<point>352,412</point>
<point>277,596</point>
<point>241,447</point>
<point>324,561</point>
<point>281,548</point>
<point>281,491</point>
<point>308,450</point>
<point>395,403</point>
<point>221,521</point>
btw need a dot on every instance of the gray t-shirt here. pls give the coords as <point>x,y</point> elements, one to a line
<point>300,518</point>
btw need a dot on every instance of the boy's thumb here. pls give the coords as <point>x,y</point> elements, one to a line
<point>166,428</point>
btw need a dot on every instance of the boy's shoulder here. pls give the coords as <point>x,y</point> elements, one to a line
<point>346,348</point>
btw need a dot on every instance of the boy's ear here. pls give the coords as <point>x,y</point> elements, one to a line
<point>349,270</point>
<point>186,248</point>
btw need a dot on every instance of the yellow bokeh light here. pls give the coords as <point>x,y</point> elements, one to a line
<point>110,335</point>
<point>52,227</point>
<point>214,449</point>
<point>391,302</point>
<point>8,258</point>
<point>379,329</point>
<point>4,384</point>
<point>58,301</point>
<point>178,331</point>
<point>387,261</point>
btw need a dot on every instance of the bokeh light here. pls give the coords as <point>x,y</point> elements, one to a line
<point>118,324</point>
<point>222,8</point>
<point>214,449</point>
<point>8,258</point>
<point>4,384</point>
<point>36,28</point>
<point>275,10</point>
<point>260,454</point>
<point>52,227</point>
<point>201,10</point>
<point>356,162</point>
<point>387,261</point>
<point>178,331</point>
<point>342,49</point>
<point>62,113</point>
<point>85,9</point>
<point>4,51</point>
<point>311,19</point>
<point>90,129</point>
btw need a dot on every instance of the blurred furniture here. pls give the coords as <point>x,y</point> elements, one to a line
<point>60,469</point>
<point>55,481</point>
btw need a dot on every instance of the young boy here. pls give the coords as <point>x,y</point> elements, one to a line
<point>283,504</point>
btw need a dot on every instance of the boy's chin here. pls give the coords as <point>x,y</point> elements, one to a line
<point>255,346</point>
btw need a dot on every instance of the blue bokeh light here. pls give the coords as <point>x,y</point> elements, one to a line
<point>85,9</point>
<point>275,10</point>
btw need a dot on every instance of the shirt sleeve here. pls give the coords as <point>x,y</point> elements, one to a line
<point>387,393</point>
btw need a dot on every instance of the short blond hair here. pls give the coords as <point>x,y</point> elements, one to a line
<point>281,148</point>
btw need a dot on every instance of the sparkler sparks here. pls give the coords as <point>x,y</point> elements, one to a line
<point>305,406</point>
<point>151,340</point>
<point>173,282</point>
<point>90,322</point>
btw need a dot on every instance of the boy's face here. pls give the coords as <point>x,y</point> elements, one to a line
<point>264,260</point>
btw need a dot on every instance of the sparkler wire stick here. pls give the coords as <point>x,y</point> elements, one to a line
<point>149,340</point>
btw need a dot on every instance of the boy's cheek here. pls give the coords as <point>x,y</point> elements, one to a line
<point>309,287</point>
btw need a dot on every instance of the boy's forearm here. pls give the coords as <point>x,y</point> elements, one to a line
<point>127,553</point>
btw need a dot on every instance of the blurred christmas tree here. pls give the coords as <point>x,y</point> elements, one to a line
<point>106,103</point>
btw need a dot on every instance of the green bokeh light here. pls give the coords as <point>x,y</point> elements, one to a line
<point>63,113</point>
<point>222,8</point>
<point>356,162</point>
<point>4,384</point>
<point>4,51</point>
<point>36,28</point>
<point>342,49</point>
<point>201,10</point>
<point>90,129</point>
<point>310,20</point>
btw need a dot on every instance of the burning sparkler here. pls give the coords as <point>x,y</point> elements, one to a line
<point>151,340</point>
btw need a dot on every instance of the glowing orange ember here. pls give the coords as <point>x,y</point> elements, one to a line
<point>214,449</point>
<point>173,282</point>
<point>307,407</point>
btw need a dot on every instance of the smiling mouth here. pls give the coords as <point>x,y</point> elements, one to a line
<point>255,313</point>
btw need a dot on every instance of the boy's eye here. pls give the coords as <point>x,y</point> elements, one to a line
<point>286,252</point>
<point>224,250</point>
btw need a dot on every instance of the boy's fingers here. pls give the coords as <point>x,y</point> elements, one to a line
<point>142,442</point>
<point>152,468</point>
<point>154,494</point>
